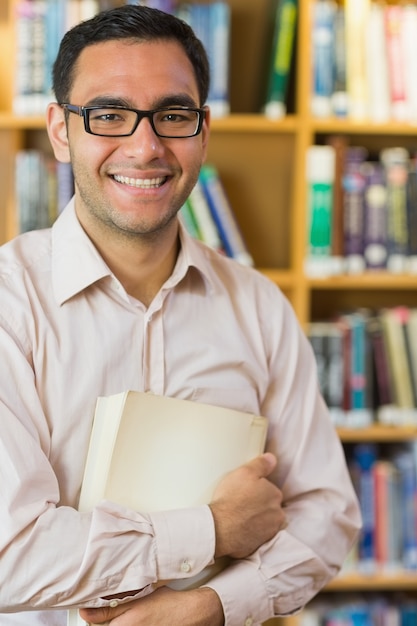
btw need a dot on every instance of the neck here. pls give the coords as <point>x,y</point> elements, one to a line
<point>142,263</point>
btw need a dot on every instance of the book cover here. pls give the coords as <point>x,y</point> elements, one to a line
<point>176,450</point>
<point>153,453</point>
<point>281,58</point>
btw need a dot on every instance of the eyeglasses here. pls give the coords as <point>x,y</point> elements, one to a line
<point>118,121</point>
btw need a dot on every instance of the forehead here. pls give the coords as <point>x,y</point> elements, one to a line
<point>133,69</point>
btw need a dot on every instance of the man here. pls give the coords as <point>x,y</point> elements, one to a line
<point>116,296</point>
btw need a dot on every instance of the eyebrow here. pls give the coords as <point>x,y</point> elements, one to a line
<point>166,101</point>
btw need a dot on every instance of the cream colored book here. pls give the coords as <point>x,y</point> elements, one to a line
<point>153,453</point>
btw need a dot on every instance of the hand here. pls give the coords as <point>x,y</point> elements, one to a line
<point>197,607</point>
<point>246,508</point>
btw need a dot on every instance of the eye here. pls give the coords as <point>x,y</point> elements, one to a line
<point>107,115</point>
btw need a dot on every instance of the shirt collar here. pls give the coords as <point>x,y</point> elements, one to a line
<point>77,264</point>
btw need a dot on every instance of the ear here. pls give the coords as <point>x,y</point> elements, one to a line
<point>57,132</point>
<point>205,132</point>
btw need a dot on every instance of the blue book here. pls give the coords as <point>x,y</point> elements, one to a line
<point>323,53</point>
<point>219,56</point>
<point>364,458</point>
<point>404,461</point>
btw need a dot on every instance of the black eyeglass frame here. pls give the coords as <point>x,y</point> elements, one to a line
<point>84,112</point>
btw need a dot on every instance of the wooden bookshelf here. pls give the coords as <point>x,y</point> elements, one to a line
<point>262,165</point>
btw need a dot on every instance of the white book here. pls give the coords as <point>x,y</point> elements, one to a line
<point>153,453</point>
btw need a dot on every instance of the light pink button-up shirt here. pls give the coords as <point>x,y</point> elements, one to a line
<point>216,332</point>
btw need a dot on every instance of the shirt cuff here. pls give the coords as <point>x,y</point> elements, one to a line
<point>242,593</point>
<point>185,541</point>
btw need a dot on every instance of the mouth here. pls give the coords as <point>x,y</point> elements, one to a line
<point>141,183</point>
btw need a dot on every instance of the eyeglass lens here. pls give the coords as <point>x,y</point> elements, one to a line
<point>167,123</point>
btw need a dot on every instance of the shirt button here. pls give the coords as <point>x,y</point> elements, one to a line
<point>113,604</point>
<point>185,567</point>
<point>248,621</point>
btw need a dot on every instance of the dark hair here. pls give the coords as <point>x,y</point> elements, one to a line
<point>132,23</point>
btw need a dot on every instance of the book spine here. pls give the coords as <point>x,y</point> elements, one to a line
<point>335,374</point>
<point>339,99</point>
<point>396,71</point>
<point>356,18</point>
<point>203,217</point>
<point>65,184</point>
<point>282,56</point>
<point>23,70</point>
<point>358,373</point>
<point>189,221</point>
<point>381,470</point>
<point>340,145</point>
<point>354,185</point>
<point>408,487</point>
<point>40,97</point>
<point>384,395</point>
<point>376,66</point>
<point>375,250</point>
<point>395,161</point>
<point>364,457</point>
<point>219,33</point>
<point>320,162</point>
<point>395,341</point>
<point>411,193</point>
<point>323,52</point>
<point>409,38</point>
<point>223,216</point>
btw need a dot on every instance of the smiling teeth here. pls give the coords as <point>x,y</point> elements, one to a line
<point>141,183</point>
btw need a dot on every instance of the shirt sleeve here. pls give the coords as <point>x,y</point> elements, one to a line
<point>52,556</point>
<point>321,508</point>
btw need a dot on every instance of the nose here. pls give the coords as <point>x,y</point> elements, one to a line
<point>144,142</point>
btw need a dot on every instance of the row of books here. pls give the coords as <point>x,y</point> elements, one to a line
<point>43,186</point>
<point>208,216</point>
<point>398,609</point>
<point>361,209</point>
<point>386,485</point>
<point>367,366</point>
<point>363,60</point>
<point>40,25</point>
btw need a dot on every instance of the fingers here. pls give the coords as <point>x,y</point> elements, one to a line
<point>263,465</point>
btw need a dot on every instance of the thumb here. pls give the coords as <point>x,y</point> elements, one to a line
<point>263,465</point>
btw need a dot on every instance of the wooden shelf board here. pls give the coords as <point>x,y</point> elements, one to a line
<point>374,582</point>
<point>378,433</point>
<point>377,280</point>
<point>335,125</point>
